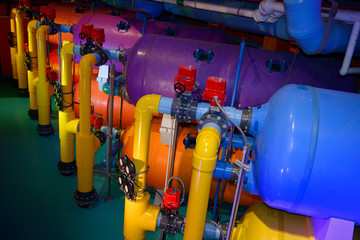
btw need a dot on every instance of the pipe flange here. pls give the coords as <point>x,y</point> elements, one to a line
<point>101,136</point>
<point>45,130</point>
<point>33,114</point>
<point>214,117</point>
<point>15,82</point>
<point>85,200</point>
<point>23,92</point>
<point>67,169</point>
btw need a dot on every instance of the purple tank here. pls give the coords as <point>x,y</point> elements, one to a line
<point>154,60</point>
<point>119,39</point>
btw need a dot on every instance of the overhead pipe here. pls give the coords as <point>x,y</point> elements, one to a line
<point>68,125</point>
<point>148,8</point>
<point>86,142</point>
<point>13,48</point>
<point>33,72</point>
<point>139,215</point>
<point>204,162</point>
<point>44,127</point>
<point>350,50</point>
<point>306,26</point>
<point>21,71</point>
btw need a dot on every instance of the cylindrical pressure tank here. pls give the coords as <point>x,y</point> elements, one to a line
<point>307,153</point>
<point>123,33</point>
<point>158,155</point>
<point>100,103</point>
<point>154,60</point>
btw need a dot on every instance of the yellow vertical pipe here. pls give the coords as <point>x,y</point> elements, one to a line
<point>21,71</point>
<point>42,87</point>
<point>135,226</point>
<point>13,50</point>
<point>204,163</point>
<point>68,113</point>
<point>33,73</point>
<point>85,138</point>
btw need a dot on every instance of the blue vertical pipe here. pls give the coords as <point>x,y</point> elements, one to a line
<point>242,48</point>
<point>144,26</point>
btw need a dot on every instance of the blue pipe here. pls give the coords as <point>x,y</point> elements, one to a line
<point>152,8</point>
<point>144,25</point>
<point>61,27</point>
<point>306,26</point>
<point>222,170</point>
<point>277,29</point>
<point>242,47</point>
<point>113,53</point>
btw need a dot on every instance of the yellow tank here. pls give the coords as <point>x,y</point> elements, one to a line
<point>265,223</point>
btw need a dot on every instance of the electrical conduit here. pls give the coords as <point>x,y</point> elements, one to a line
<point>204,162</point>
<point>139,215</point>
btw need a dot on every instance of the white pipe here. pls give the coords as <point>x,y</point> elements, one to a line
<point>269,11</point>
<point>350,49</point>
<point>354,70</point>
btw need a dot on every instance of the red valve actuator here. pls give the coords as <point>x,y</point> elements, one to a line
<point>48,11</point>
<point>86,30</point>
<point>98,35</point>
<point>215,86</point>
<point>186,76</point>
<point>171,200</point>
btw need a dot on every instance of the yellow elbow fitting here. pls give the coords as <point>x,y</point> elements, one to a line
<point>139,216</point>
<point>204,163</point>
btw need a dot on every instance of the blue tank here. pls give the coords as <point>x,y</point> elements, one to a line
<point>307,153</point>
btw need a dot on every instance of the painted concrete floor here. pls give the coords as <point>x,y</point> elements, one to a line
<point>36,202</point>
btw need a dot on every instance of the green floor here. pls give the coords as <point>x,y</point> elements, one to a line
<point>36,201</point>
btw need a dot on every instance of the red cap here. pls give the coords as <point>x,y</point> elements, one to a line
<point>48,11</point>
<point>215,86</point>
<point>98,35</point>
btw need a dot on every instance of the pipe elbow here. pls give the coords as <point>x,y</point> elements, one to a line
<point>18,14</point>
<point>67,49</point>
<point>32,27</point>
<point>42,31</point>
<point>207,145</point>
<point>147,105</point>
<point>87,61</point>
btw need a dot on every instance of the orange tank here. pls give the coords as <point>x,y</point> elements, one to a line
<point>54,63</point>
<point>100,102</point>
<point>158,155</point>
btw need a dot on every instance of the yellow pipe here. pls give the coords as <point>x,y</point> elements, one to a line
<point>13,50</point>
<point>67,115</point>
<point>33,73</point>
<point>21,71</point>
<point>139,215</point>
<point>85,139</point>
<point>204,163</point>
<point>42,87</point>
